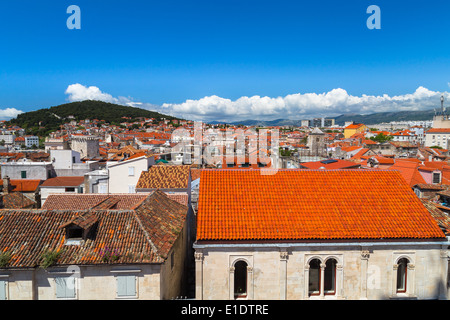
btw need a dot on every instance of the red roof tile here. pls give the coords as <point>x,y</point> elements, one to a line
<point>164,177</point>
<point>310,204</point>
<point>88,201</point>
<point>143,235</point>
<point>63,182</point>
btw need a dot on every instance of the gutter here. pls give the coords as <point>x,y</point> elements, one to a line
<point>318,244</point>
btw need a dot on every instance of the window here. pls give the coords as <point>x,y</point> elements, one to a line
<point>240,279</point>
<point>65,287</point>
<point>330,277</point>
<point>314,277</point>
<point>70,189</point>
<point>131,189</point>
<point>74,233</point>
<point>103,188</point>
<point>436,177</point>
<point>23,174</point>
<point>126,286</point>
<point>131,171</point>
<point>3,285</point>
<point>402,274</point>
<point>322,277</point>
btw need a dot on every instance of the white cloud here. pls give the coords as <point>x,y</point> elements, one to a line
<point>303,106</point>
<point>78,92</point>
<point>293,106</point>
<point>9,113</point>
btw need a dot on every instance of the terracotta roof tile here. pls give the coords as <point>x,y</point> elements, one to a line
<point>164,177</point>
<point>88,201</point>
<point>301,204</point>
<point>63,182</point>
<point>143,235</point>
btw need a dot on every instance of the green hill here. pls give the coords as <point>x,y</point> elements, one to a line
<point>44,121</point>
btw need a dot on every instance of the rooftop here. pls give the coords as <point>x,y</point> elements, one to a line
<point>296,205</point>
<point>63,182</point>
<point>142,235</point>
<point>164,177</point>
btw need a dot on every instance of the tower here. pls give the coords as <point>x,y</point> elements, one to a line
<point>87,146</point>
<point>441,119</point>
<point>316,143</point>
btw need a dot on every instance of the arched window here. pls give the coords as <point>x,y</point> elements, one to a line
<point>314,277</point>
<point>240,279</point>
<point>402,275</point>
<point>330,277</point>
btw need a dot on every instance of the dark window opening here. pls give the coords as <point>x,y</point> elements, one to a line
<point>402,274</point>
<point>330,277</point>
<point>70,189</point>
<point>240,279</point>
<point>74,233</point>
<point>314,277</point>
<point>436,178</point>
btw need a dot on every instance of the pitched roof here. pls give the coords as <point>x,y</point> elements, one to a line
<point>143,235</point>
<point>24,185</point>
<point>164,177</point>
<point>354,126</point>
<point>331,164</point>
<point>439,130</point>
<point>15,200</point>
<point>296,204</point>
<point>442,218</point>
<point>63,182</point>
<point>95,200</point>
<point>409,171</point>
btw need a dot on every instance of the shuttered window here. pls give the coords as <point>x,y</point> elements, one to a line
<point>65,287</point>
<point>3,290</point>
<point>126,286</point>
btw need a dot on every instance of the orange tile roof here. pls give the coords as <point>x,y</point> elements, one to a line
<point>300,204</point>
<point>165,177</point>
<point>338,164</point>
<point>409,171</point>
<point>63,182</point>
<point>354,126</point>
<point>85,201</point>
<point>24,185</point>
<point>439,130</point>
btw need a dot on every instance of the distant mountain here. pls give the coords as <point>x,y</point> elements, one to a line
<point>262,123</point>
<point>386,117</point>
<point>43,121</point>
<point>374,118</point>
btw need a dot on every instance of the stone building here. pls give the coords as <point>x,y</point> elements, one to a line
<point>316,234</point>
<point>87,146</point>
<point>94,254</point>
<point>316,143</point>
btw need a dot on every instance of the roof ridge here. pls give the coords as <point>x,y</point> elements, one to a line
<point>147,236</point>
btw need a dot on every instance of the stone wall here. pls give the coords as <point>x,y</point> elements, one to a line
<point>361,273</point>
<point>92,282</point>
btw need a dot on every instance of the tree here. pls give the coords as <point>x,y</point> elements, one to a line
<point>381,138</point>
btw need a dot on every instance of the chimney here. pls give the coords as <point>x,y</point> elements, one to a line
<point>6,185</point>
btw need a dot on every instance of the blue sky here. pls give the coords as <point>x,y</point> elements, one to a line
<point>200,58</point>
